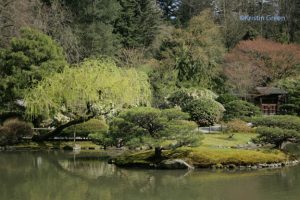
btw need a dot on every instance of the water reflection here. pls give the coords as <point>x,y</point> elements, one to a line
<point>61,176</point>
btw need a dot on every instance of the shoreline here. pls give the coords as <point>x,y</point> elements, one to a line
<point>185,158</point>
<point>205,158</point>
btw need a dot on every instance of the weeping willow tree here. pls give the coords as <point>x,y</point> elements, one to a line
<point>95,87</point>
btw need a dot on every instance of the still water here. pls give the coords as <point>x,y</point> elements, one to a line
<point>87,176</point>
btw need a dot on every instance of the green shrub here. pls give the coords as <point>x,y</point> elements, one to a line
<point>13,131</point>
<point>180,98</point>
<point>281,121</point>
<point>204,112</point>
<point>240,109</point>
<point>275,135</point>
<point>277,129</point>
<point>145,126</point>
<point>238,126</point>
<point>84,129</point>
<point>226,98</point>
<point>292,86</point>
<point>175,114</point>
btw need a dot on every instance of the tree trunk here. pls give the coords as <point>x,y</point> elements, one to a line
<point>158,152</point>
<point>59,129</point>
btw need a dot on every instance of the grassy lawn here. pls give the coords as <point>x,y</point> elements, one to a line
<point>222,139</point>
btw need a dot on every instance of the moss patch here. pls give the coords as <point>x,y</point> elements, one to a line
<point>203,157</point>
<point>222,139</point>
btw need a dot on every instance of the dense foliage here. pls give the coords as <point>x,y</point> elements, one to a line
<point>150,127</point>
<point>238,126</point>
<point>82,59</point>
<point>240,109</point>
<point>261,62</point>
<point>292,86</point>
<point>138,23</point>
<point>195,52</point>
<point>277,129</point>
<point>97,87</point>
<point>86,128</point>
<point>29,58</point>
<point>282,121</point>
<point>199,103</point>
<point>13,131</point>
<point>276,136</point>
<point>205,112</point>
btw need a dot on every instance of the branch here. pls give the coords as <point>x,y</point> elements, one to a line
<point>59,129</point>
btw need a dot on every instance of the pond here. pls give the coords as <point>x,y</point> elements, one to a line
<point>87,176</point>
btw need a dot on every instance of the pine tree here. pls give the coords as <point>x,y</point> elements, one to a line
<point>138,23</point>
<point>94,20</point>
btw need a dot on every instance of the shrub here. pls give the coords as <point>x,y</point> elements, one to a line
<point>84,129</point>
<point>292,86</point>
<point>240,109</point>
<point>238,126</point>
<point>226,98</point>
<point>281,121</point>
<point>180,98</point>
<point>204,112</point>
<point>151,127</point>
<point>184,96</point>
<point>275,135</point>
<point>13,131</point>
<point>277,129</point>
<point>175,114</point>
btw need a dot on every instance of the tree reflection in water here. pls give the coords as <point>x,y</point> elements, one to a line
<point>64,176</point>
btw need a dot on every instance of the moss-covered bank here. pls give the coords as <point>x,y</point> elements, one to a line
<point>203,157</point>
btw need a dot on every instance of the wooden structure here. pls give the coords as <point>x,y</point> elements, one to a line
<point>269,99</point>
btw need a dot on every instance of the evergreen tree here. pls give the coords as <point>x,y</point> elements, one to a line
<point>26,61</point>
<point>195,52</point>
<point>94,20</point>
<point>138,23</point>
<point>191,8</point>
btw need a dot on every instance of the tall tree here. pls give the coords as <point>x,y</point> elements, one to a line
<point>26,61</point>
<point>138,23</point>
<point>55,19</point>
<point>191,8</point>
<point>93,23</point>
<point>15,14</point>
<point>261,62</point>
<point>198,50</point>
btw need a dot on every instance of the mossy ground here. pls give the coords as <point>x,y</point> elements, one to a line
<point>223,139</point>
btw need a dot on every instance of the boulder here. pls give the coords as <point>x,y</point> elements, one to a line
<point>175,164</point>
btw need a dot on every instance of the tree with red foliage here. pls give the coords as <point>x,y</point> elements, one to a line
<point>260,62</point>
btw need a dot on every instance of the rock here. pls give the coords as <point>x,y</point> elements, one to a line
<point>254,167</point>
<point>175,164</point>
<point>231,166</point>
<point>219,166</point>
<point>111,161</point>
